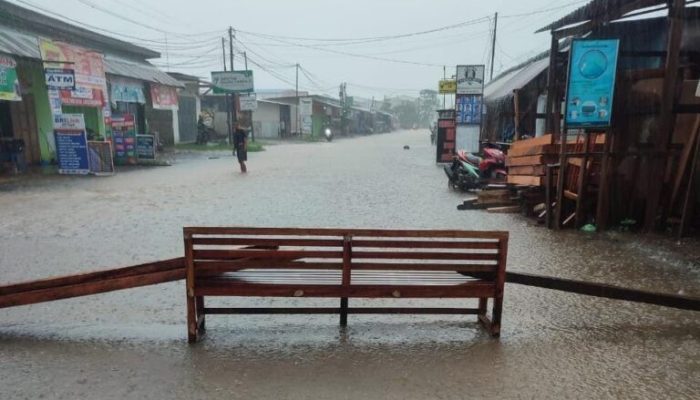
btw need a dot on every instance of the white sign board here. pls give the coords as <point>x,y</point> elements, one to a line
<point>470,79</point>
<point>468,138</point>
<point>58,78</point>
<point>232,81</point>
<point>248,102</point>
<point>69,121</point>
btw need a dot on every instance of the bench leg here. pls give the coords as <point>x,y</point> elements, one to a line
<point>496,318</point>
<point>483,304</point>
<point>192,326</point>
<point>201,317</point>
<point>343,311</point>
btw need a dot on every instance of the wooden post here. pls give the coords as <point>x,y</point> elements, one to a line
<point>500,285</point>
<point>551,86</point>
<point>192,322</point>
<point>689,190</point>
<point>582,183</point>
<point>667,118</point>
<point>347,274</point>
<point>548,195</point>
<point>516,114</point>
<point>603,206</point>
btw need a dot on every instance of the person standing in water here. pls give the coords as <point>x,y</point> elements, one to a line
<point>240,143</point>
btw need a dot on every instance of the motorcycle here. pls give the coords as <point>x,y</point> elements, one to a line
<point>469,171</point>
<point>328,133</point>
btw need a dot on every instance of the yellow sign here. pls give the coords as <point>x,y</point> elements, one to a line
<point>448,86</point>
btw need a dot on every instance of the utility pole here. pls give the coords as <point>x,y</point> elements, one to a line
<point>250,112</point>
<point>493,43</point>
<point>297,96</point>
<point>234,118</point>
<point>444,76</point>
<point>227,97</point>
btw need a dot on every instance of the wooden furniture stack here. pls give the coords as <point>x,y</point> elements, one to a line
<point>527,160</point>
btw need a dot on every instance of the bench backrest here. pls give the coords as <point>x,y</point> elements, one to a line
<point>210,251</point>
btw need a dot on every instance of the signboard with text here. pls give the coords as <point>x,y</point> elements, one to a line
<point>305,113</point>
<point>163,97</point>
<point>248,102</point>
<point>470,79</point>
<point>591,83</point>
<point>71,144</point>
<point>232,81</point>
<point>468,109</point>
<point>101,159</point>
<point>447,86</point>
<point>60,78</point>
<point>124,139</point>
<point>146,147</point>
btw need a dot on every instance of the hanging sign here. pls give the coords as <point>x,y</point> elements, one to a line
<point>248,102</point>
<point>163,97</point>
<point>232,81</point>
<point>9,83</point>
<point>59,78</point>
<point>71,144</point>
<point>447,86</point>
<point>126,91</point>
<point>470,79</point>
<point>88,66</point>
<point>146,147</point>
<point>591,83</point>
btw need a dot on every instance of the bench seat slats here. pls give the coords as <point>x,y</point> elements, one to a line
<point>466,290</point>
<point>193,232</point>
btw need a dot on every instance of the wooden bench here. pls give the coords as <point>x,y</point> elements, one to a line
<point>344,264</point>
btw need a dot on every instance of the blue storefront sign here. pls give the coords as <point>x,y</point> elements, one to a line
<point>591,84</point>
<point>468,109</point>
<point>71,144</point>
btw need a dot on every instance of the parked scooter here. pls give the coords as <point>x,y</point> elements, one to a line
<point>469,171</point>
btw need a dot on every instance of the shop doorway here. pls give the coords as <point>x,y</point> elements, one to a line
<point>19,122</point>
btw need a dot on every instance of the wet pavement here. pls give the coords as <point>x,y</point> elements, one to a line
<point>132,344</point>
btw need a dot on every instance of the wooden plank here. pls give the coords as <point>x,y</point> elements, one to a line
<point>504,210</point>
<point>426,233</point>
<point>422,255</point>
<point>542,140</point>
<point>685,210</point>
<point>224,241</point>
<point>264,254</point>
<point>333,310</point>
<point>538,170</point>
<point>89,288</point>
<point>347,275</point>
<point>684,163</point>
<point>532,150</point>
<point>531,160</point>
<point>424,267</point>
<point>466,290</point>
<point>605,291</point>
<point>207,268</point>
<point>421,244</point>
<point>165,265</point>
<point>525,180</point>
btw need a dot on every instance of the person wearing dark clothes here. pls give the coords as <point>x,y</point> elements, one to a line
<point>240,143</point>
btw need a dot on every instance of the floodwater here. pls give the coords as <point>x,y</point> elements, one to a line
<point>132,344</point>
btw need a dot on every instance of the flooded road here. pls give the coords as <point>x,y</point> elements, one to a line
<point>132,344</point>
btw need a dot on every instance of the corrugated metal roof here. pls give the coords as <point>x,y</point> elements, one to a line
<point>20,44</point>
<point>144,71</point>
<point>515,79</point>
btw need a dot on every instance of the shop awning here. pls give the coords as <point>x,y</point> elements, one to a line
<point>115,65</point>
<point>19,44</point>
<point>504,85</point>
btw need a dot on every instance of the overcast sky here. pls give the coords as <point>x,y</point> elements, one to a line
<point>274,33</point>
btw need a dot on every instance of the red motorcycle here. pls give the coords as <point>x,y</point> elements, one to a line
<point>469,171</point>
